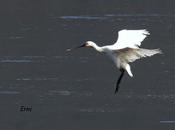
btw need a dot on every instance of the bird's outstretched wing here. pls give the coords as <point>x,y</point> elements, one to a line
<point>122,57</point>
<point>130,38</point>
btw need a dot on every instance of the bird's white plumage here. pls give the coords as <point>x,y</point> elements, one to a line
<point>126,49</point>
<point>130,38</point>
<point>122,57</point>
<point>130,55</point>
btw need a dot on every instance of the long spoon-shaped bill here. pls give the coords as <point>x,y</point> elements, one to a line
<point>71,49</point>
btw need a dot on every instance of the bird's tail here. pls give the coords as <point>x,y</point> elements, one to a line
<point>148,52</point>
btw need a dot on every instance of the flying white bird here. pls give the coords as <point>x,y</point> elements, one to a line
<point>124,50</point>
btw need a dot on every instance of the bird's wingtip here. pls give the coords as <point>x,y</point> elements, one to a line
<point>159,51</point>
<point>131,75</point>
<point>146,32</point>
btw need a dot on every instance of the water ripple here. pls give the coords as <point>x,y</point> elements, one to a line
<point>108,16</point>
<point>168,122</point>
<point>63,92</point>
<point>84,17</point>
<point>15,61</point>
<point>9,92</point>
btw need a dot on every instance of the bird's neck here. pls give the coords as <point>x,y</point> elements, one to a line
<point>97,48</point>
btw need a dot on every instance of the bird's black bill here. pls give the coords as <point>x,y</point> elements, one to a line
<point>119,80</point>
<point>71,49</point>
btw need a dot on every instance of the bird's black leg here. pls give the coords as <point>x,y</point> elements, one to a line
<point>119,80</point>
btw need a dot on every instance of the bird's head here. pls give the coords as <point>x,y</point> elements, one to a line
<point>89,44</point>
<point>86,44</point>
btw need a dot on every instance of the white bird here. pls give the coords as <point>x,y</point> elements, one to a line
<point>125,50</point>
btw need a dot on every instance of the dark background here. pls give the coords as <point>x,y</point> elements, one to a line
<point>75,91</point>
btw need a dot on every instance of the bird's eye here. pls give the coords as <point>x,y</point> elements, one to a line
<point>87,45</point>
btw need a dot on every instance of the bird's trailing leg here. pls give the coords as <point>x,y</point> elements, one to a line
<point>119,80</point>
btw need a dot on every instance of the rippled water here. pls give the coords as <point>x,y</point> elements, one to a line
<point>75,91</point>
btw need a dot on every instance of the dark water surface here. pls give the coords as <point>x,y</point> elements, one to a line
<point>75,91</point>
